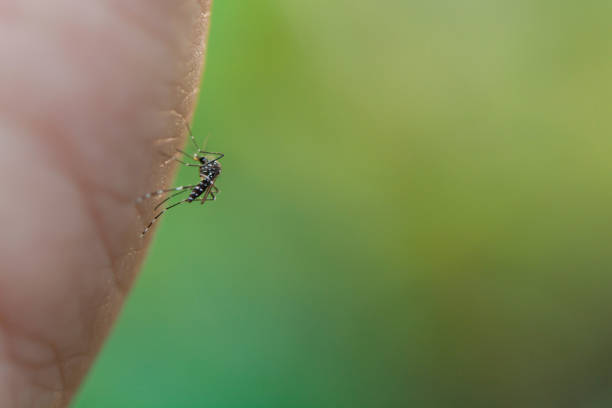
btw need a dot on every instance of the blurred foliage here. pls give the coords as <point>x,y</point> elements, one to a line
<point>415,211</point>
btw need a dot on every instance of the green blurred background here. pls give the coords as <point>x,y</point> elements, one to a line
<point>415,212</point>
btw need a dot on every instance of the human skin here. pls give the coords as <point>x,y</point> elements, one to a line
<point>92,93</point>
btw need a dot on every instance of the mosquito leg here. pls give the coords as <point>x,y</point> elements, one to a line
<point>187,164</point>
<point>170,197</point>
<point>219,155</point>
<point>192,138</point>
<point>206,193</point>
<point>160,192</point>
<point>148,227</point>
<point>191,156</point>
<point>210,192</point>
<point>195,144</point>
<point>210,197</point>
<point>198,149</point>
<point>173,157</point>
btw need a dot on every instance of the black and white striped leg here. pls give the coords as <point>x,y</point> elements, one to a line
<point>148,227</point>
<point>160,192</point>
<point>170,197</point>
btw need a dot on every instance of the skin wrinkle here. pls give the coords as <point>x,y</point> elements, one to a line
<point>97,197</point>
<point>64,166</point>
<point>32,367</point>
<point>99,227</point>
<point>60,366</point>
<point>160,142</point>
<point>62,359</point>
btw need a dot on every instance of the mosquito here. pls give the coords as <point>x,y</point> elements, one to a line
<point>203,191</point>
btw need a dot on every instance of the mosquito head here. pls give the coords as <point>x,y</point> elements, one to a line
<point>203,160</point>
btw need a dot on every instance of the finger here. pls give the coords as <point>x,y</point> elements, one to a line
<point>90,90</point>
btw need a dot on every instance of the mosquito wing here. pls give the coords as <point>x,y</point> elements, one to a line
<point>206,192</point>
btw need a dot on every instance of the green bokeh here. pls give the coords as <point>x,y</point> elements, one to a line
<point>415,212</point>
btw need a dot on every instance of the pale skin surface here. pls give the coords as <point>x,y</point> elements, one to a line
<point>90,93</point>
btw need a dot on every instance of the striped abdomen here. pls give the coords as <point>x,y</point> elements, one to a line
<point>198,190</point>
